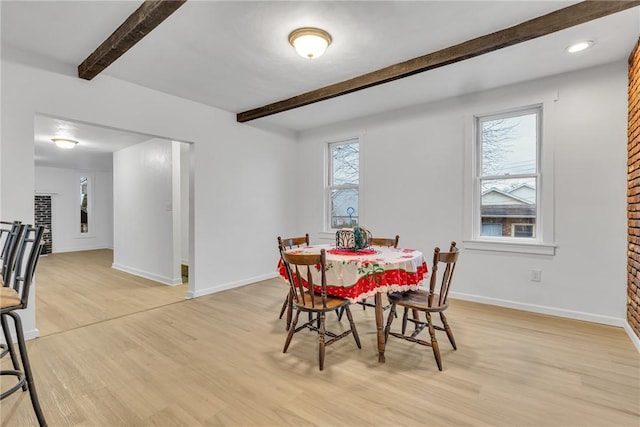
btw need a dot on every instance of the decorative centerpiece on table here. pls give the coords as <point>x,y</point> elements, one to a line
<point>356,238</point>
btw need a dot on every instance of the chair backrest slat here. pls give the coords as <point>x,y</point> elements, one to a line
<point>10,246</point>
<point>449,259</point>
<point>385,241</point>
<point>290,242</point>
<point>303,265</point>
<point>26,261</point>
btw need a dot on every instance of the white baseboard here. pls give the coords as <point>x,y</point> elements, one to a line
<point>79,249</point>
<point>230,285</point>
<point>147,275</point>
<point>553,311</point>
<point>634,338</point>
<point>28,335</point>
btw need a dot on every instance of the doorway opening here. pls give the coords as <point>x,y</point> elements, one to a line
<point>119,196</point>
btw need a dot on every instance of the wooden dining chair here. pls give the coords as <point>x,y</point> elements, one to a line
<point>14,297</point>
<point>380,241</point>
<point>284,244</point>
<point>313,299</point>
<point>432,300</point>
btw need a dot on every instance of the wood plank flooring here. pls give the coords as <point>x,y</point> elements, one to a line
<point>80,288</point>
<point>217,361</point>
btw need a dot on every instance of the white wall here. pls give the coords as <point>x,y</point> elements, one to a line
<point>143,211</point>
<point>185,172</point>
<point>64,187</point>
<point>238,170</point>
<point>412,185</point>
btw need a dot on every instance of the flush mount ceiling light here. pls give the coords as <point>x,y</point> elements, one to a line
<point>64,143</point>
<point>580,46</point>
<point>310,42</point>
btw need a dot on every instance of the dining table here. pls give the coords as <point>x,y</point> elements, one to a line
<point>369,272</point>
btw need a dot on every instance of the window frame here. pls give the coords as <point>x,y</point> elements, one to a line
<point>329,186</point>
<point>479,119</point>
<point>543,241</point>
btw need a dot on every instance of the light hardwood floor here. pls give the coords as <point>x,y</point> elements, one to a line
<point>80,288</point>
<point>217,361</point>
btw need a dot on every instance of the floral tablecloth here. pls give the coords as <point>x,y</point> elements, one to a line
<point>358,275</point>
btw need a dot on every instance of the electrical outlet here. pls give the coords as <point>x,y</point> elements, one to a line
<point>536,275</point>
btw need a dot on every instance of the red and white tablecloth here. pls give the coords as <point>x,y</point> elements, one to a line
<point>358,275</point>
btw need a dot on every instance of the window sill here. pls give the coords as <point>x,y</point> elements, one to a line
<point>513,247</point>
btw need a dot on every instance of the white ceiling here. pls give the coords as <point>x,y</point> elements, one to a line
<point>234,55</point>
<point>95,148</point>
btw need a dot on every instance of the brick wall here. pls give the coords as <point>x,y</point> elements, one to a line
<point>633,193</point>
<point>42,216</point>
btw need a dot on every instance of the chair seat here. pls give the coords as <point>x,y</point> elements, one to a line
<point>332,302</point>
<point>418,300</point>
<point>9,298</point>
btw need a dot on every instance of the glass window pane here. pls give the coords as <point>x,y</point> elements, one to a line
<point>345,161</point>
<point>508,202</point>
<point>491,229</point>
<point>344,208</point>
<point>509,145</point>
<point>84,212</point>
<point>522,230</point>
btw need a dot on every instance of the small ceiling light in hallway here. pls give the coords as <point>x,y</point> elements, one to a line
<point>64,143</point>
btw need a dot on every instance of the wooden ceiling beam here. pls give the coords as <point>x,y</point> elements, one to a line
<point>140,23</point>
<point>546,24</point>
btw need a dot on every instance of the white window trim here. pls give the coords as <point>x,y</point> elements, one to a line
<point>327,170</point>
<point>544,243</point>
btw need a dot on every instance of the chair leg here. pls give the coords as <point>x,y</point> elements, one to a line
<point>10,347</point>
<point>404,320</point>
<point>434,341</point>
<point>416,317</point>
<point>321,341</point>
<point>292,330</point>
<point>339,312</point>
<point>447,329</point>
<point>289,309</point>
<point>285,304</point>
<point>27,369</point>
<point>392,315</point>
<point>354,331</point>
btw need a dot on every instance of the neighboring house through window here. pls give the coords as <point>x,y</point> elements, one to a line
<point>343,184</point>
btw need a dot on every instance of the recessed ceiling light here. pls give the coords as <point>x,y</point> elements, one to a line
<point>310,42</point>
<point>580,46</point>
<point>64,143</point>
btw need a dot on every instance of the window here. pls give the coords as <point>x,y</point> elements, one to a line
<point>84,204</point>
<point>489,229</point>
<point>85,217</point>
<point>522,230</point>
<point>343,184</point>
<point>508,205</point>
<point>508,173</point>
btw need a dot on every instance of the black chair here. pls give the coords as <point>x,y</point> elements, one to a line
<point>9,237</point>
<point>14,296</point>
<point>432,300</point>
<point>10,234</point>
